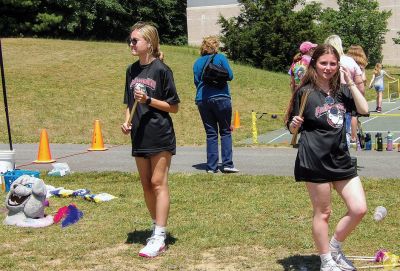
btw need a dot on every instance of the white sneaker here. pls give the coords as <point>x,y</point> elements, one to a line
<point>230,170</point>
<point>155,246</point>
<point>341,260</point>
<point>330,266</point>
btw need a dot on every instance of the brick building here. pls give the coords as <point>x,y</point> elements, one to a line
<point>202,16</point>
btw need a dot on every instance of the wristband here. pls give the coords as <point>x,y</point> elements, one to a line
<point>351,84</point>
<point>148,100</point>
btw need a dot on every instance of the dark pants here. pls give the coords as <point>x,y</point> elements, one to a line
<point>216,114</point>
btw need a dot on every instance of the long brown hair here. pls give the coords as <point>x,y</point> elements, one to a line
<point>311,76</point>
<point>358,54</point>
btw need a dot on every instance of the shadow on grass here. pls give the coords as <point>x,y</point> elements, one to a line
<point>140,237</point>
<point>301,263</point>
<point>201,166</point>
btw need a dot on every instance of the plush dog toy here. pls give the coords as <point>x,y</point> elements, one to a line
<point>25,203</point>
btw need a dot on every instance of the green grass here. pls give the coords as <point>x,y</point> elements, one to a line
<point>216,221</point>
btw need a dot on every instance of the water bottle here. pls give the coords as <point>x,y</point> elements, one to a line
<point>380,213</point>
<point>368,142</point>
<point>361,140</point>
<point>389,141</point>
<point>379,142</point>
<point>376,141</point>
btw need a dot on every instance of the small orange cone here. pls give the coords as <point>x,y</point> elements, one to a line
<point>44,155</point>
<point>236,120</point>
<point>97,138</point>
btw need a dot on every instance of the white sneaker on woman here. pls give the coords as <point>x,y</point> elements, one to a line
<point>230,170</point>
<point>341,260</point>
<point>154,247</point>
<point>330,266</point>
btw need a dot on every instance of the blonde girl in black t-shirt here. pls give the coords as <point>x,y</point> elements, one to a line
<point>323,160</point>
<point>150,83</point>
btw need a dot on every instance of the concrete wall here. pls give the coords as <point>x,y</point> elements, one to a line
<point>202,20</point>
<point>202,17</point>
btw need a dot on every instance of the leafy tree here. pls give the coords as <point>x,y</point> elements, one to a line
<point>268,33</point>
<point>92,19</point>
<point>17,16</point>
<point>99,19</point>
<point>358,22</point>
<point>169,16</point>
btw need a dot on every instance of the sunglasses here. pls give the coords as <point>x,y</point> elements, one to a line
<point>133,41</point>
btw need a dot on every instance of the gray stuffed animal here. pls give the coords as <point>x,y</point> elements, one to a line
<point>25,203</point>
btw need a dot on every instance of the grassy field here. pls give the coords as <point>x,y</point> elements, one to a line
<point>64,86</point>
<point>220,222</point>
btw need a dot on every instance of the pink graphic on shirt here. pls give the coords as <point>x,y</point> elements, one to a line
<point>147,82</point>
<point>334,114</point>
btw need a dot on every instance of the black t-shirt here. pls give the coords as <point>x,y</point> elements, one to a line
<point>323,154</point>
<point>152,129</point>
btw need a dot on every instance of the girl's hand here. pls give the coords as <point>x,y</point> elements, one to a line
<point>140,95</point>
<point>296,122</point>
<point>126,128</point>
<point>346,74</point>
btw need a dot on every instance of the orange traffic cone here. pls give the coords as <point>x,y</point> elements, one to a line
<point>44,155</point>
<point>97,138</point>
<point>236,120</point>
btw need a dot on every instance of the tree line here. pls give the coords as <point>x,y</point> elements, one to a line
<point>91,19</point>
<point>267,33</point>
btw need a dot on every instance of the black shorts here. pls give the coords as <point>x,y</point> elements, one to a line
<point>147,155</point>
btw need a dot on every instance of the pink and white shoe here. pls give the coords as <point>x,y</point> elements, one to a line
<point>154,247</point>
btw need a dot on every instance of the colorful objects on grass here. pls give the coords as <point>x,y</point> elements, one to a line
<point>389,260</point>
<point>83,193</point>
<point>71,214</point>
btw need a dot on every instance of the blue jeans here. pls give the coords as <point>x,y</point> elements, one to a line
<point>216,114</point>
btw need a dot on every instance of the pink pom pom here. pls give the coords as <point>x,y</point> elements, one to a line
<point>380,255</point>
<point>62,212</point>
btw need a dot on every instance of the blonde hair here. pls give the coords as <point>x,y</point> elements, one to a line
<point>357,53</point>
<point>150,34</point>
<point>209,45</point>
<point>378,68</point>
<point>336,42</point>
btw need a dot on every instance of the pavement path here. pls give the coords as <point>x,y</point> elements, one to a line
<point>249,160</point>
<point>388,120</point>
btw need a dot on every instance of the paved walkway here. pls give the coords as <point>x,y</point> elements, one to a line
<point>388,120</point>
<point>250,160</point>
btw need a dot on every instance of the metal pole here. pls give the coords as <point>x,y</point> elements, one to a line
<point>3,81</point>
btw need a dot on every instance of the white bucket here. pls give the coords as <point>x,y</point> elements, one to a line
<point>7,160</point>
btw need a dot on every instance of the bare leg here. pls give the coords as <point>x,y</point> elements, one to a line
<point>354,128</point>
<point>379,99</point>
<point>320,195</point>
<point>145,172</point>
<point>353,196</point>
<point>160,165</point>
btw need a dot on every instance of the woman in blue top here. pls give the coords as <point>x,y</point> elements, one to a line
<point>215,108</point>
